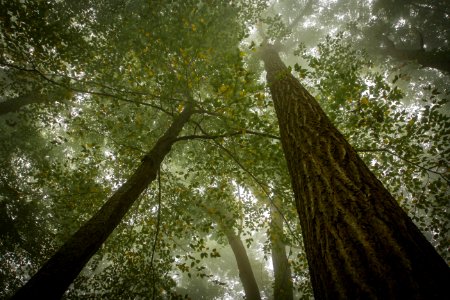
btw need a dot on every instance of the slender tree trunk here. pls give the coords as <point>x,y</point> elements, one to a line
<point>245,269</point>
<point>283,289</point>
<point>359,243</point>
<point>52,280</point>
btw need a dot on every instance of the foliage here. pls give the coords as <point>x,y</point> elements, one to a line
<point>108,76</point>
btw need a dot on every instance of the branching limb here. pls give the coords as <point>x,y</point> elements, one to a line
<point>83,91</point>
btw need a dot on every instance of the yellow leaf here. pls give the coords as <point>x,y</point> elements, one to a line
<point>364,101</point>
<point>194,28</point>
<point>68,94</point>
<point>138,119</point>
<point>180,107</point>
<point>223,88</point>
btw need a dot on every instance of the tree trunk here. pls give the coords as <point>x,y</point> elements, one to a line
<point>283,289</point>
<point>52,280</point>
<point>245,269</point>
<point>359,243</point>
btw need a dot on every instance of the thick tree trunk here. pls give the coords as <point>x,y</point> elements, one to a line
<point>359,243</point>
<point>283,289</point>
<point>245,269</point>
<point>51,281</point>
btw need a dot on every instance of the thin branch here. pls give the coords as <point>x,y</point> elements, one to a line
<point>307,9</point>
<point>263,134</point>
<point>212,137</point>
<point>207,112</point>
<point>404,159</point>
<point>206,137</point>
<point>436,8</point>
<point>263,188</point>
<point>82,91</point>
<point>104,134</point>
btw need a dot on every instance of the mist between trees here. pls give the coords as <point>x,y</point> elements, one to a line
<point>224,149</point>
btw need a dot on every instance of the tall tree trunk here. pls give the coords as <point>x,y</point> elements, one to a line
<point>245,269</point>
<point>359,243</point>
<point>283,289</point>
<point>225,220</point>
<point>52,280</point>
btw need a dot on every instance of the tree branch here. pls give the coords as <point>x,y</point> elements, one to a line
<point>212,137</point>
<point>263,188</point>
<point>82,91</point>
<point>404,159</point>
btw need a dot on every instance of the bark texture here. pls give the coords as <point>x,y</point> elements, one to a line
<point>283,289</point>
<point>245,269</point>
<point>52,280</point>
<point>359,243</point>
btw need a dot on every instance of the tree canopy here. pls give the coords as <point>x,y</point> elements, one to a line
<point>90,88</point>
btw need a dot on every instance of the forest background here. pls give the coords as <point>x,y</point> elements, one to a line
<point>89,88</point>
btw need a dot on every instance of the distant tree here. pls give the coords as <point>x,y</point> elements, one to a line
<point>283,287</point>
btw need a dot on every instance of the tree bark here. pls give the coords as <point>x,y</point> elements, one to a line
<point>359,243</point>
<point>245,269</point>
<point>283,289</point>
<point>52,280</point>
